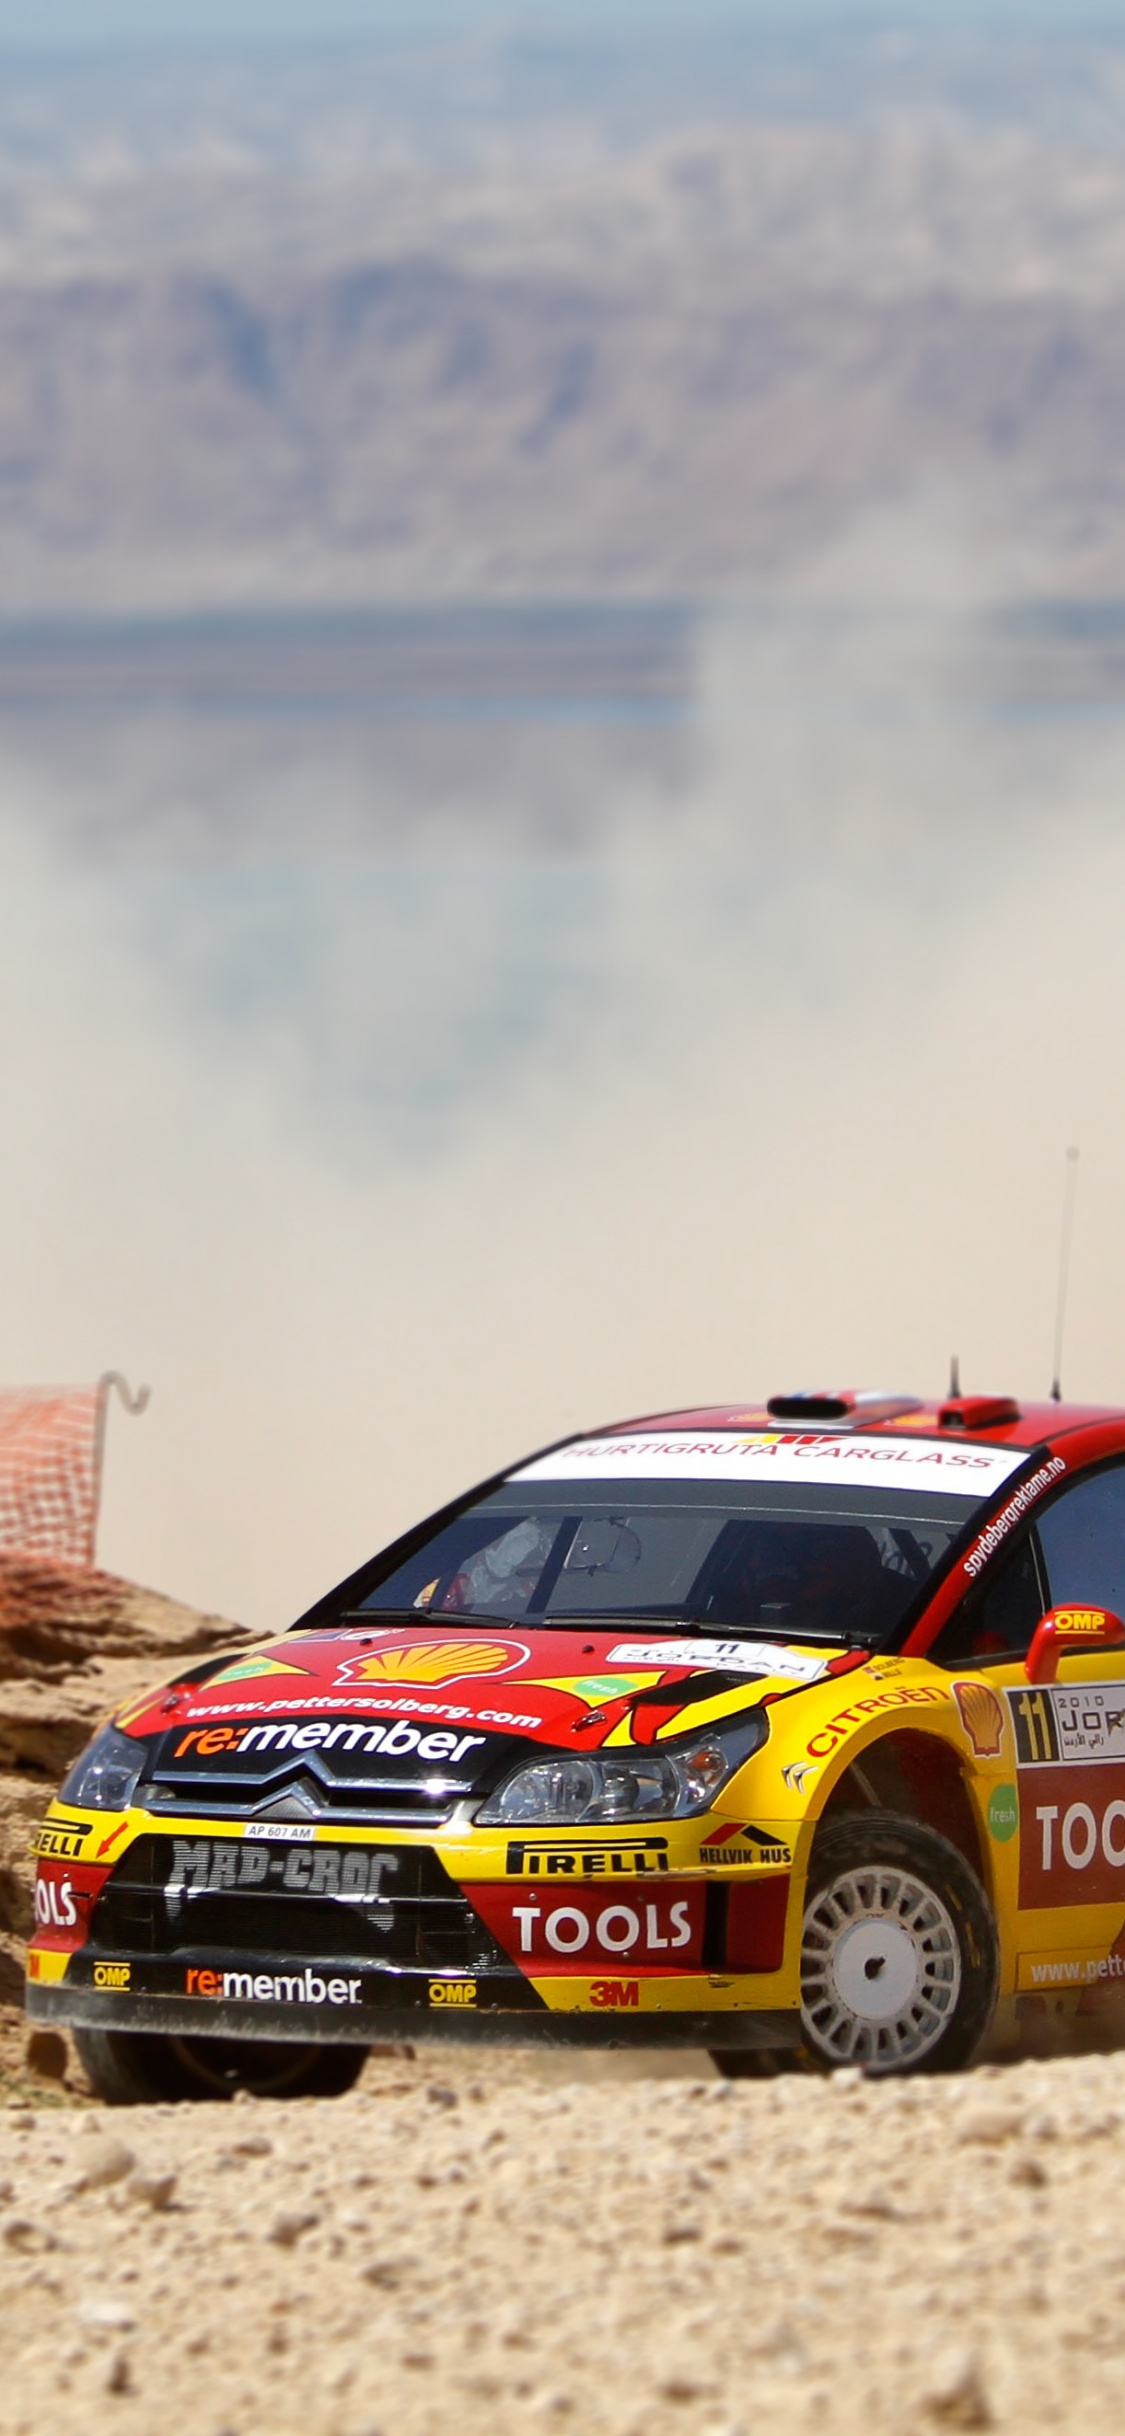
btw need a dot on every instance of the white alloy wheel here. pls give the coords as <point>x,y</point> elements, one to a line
<point>880,1969</point>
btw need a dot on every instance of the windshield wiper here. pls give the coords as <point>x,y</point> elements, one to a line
<point>426,1615</point>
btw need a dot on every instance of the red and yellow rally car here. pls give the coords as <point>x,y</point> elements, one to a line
<point>793,1728</point>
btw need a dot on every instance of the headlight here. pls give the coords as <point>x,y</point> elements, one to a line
<point>107,1773</point>
<point>611,1787</point>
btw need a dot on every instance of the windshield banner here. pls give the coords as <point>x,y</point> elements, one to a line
<point>828,1457</point>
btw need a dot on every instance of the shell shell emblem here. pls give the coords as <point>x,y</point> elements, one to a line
<point>433,1662</point>
<point>982,1718</point>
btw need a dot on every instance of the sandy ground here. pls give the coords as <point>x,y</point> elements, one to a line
<point>495,2245</point>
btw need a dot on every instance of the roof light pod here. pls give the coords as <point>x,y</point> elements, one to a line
<point>977,1412</point>
<point>841,1404</point>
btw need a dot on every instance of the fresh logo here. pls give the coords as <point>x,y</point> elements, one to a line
<point>1003,1814</point>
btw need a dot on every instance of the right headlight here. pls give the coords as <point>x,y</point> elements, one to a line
<point>613,1788</point>
<point>106,1774</point>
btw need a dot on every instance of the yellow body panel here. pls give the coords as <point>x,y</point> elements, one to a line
<point>1047,1813</point>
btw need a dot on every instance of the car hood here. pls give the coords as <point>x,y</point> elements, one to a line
<point>454,1704</point>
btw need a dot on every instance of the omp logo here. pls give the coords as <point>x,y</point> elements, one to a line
<point>273,1988</point>
<point>1080,1620</point>
<point>620,1993</point>
<point>628,1857</point>
<point>453,1992</point>
<point>112,1974</point>
<point>434,1662</point>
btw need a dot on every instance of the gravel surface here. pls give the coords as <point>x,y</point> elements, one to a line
<point>493,2245</point>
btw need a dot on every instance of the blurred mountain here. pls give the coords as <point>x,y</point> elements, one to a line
<point>250,356</point>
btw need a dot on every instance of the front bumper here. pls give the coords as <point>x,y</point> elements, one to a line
<point>179,2017</point>
<point>360,1939</point>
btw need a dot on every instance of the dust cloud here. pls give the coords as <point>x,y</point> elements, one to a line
<point>389,1139</point>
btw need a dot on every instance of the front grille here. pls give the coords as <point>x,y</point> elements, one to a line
<point>386,1805</point>
<point>166,1899</point>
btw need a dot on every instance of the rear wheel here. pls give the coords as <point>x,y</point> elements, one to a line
<point>135,2068</point>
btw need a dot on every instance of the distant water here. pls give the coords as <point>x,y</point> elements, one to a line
<point>531,663</point>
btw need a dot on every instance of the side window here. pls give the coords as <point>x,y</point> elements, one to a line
<point>998,1616</point>
<point>1083,1541</point>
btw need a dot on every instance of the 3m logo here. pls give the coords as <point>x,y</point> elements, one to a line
<point>622,1993</point>
<point>112,1974</point>
<point>1037,1738</point>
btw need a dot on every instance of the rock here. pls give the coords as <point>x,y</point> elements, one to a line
<point>119,2374</point>
<point>105,2316</point>
<point>151,2190</point>
<point>287,2229</point>
<point>102,2160</point>
<point>956,2397</point>
<point>23,2233</point>
<point>989,2125</point>
<point>872,2203</point>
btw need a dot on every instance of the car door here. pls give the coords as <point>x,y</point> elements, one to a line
<point>1070,1753</point>
<point>1056,1820</point>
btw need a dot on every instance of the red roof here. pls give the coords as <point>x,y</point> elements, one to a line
<point>1032,1424</point>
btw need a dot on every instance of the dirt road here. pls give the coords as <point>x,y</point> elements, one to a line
<point>491,2246</point>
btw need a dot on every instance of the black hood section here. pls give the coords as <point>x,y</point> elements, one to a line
<point>355,1760</point>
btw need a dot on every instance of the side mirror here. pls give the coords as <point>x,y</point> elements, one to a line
<point>1066,1632</point>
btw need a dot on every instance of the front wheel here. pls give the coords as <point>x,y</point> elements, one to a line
<point>899,1955</point>
<point>137,2068</point>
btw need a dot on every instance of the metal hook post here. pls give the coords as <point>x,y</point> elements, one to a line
<point>134,1405</point>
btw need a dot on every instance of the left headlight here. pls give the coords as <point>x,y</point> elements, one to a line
<point>606,1788</point>
<point>106,1774</point>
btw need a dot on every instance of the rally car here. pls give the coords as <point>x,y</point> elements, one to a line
<point>796,1732</point>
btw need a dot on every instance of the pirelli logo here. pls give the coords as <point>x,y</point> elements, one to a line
<point>60,1843</point>
<point>639,1856</point>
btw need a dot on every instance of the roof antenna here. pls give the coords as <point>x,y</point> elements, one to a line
<point>954,1396</point>
<point>1064,1268</point>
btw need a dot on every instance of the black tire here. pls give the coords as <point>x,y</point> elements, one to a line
<point>886,1898</point>
<point>138,2068</point>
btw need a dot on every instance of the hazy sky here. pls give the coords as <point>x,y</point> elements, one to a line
<point>82,25</point>
<point>383,1165</point>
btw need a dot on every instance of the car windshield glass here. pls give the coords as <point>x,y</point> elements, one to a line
<point>819,1564</point>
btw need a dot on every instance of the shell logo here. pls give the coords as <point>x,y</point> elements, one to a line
<point>434,1662</point>
<point>981,1716</point>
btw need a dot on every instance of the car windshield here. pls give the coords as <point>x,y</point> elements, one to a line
<point>820,1564</point>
